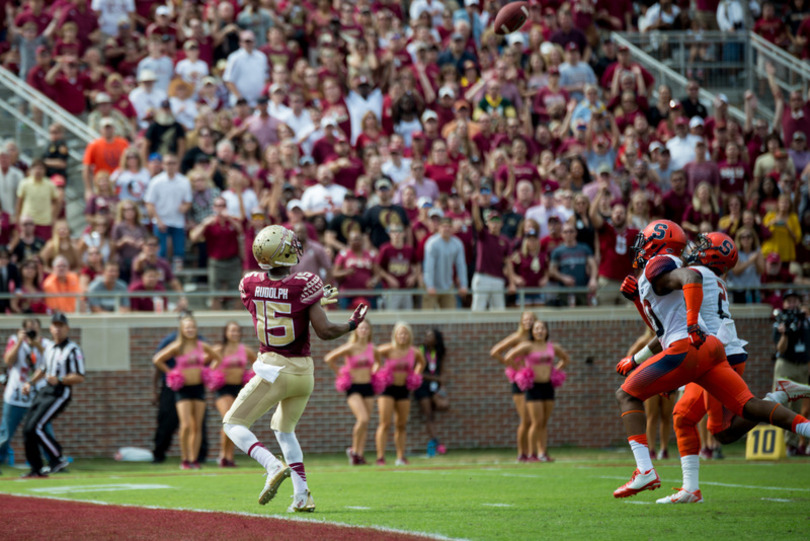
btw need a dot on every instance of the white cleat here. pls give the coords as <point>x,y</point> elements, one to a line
<point>795,391</point>
<point>648,480</point>
<point>302,503</point>
<point>274,480</point>
<point>683,496</point>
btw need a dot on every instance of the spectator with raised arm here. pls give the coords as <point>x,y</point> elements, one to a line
<point>616,238</point>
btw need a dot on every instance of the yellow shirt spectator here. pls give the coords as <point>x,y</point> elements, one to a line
<point>36,196</point>
<point>785,230</point>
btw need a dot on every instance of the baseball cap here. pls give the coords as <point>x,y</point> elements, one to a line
<point>155,157</point>
<point>103,97</point>
<point>790,292</point>
<point>428,115</point>
<point>681,121</point>
<point>107,121</point>
<point>306,160</point>
<point>516,37</point>
<point>531,233</point>
<point>491,214</point>
<point>571,46</point>
<point>435,213</point>
<point>424,202</point>
<point>162,10</point>
<point>294,204</point>
<point>328,121</point>
<point>383,184</point>
<point>655,145</point>
<point>446,91</point>
<point>146,76</point>
<point>554,218</point>
<point>191,44</point>
<point>469,3</point>
<point>262,100</point>
<point>773,257</point>
<point>695,121</point>
<point>604,168</point>
<point>723,98</point>
<point>209,81</point>
<point>797,135</point>
<point>461,104</point>
<point>59,318</point>
<point>623,49</point>
<point>275,87</point>
<point>418,135</point>
<point>457,36</point>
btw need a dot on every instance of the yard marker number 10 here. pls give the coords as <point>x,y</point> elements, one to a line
<point>765,442</point>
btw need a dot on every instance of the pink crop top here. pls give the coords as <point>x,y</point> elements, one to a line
<point>540,357</point>
<point>235,360</point>
<point>403,364</point>
<point>363,360</point>
<point>194,359</point>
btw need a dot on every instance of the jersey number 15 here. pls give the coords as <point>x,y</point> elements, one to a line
<point>274,327</point>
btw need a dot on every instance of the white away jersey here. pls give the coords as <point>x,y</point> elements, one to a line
<point>716,314</point>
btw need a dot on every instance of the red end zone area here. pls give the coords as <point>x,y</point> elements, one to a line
<point>40,518</point>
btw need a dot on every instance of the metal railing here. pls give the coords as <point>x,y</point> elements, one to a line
<point>523,296</point>
<point>730,78</point>
<point>25,115</point>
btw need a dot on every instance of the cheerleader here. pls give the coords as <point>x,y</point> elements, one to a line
<point>354,378</point>
<point>395,376</point>
<point>523,333</point>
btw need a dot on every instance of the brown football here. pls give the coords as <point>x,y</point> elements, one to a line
<point>511,18</point>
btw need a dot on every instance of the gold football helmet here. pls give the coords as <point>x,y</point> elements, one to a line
<point>276,246</point>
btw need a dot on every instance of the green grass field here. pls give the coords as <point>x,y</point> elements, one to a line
<point>474,495</point>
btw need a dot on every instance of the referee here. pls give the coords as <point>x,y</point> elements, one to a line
<point>64,368</point>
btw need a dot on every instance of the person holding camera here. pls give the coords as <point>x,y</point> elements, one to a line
<point>792,337</point>
<point>62,368</point>
<point>23,355</point>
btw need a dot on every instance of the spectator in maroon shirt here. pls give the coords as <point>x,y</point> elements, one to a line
<point>494,274</point>
<point>734,173</point>
<point>615,14</point>
<point>616,239</point>
<point>702,170</point>
<point>397,266</point>
<point>439,168</point>
<point>771,27</point>
<point>79,12</point>
<point>703,208</point>
<point>567,33</point>
<point>149,282</point>
<point>775,273</point>
<point>221,235</point>
<point>644,81</point>
<point>554,237</point>
<point>36,76</point>
<point>517,169</point>
<point>354,269</point>
<point>550,98</point>
<point>531,265</point>
<point>34,12</point>
<point>68,85</point>
<point>345,167</point>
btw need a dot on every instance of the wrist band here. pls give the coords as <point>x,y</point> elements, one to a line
<point>643,355</point>
<point>352,324</point>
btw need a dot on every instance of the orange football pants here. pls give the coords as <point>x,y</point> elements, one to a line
<point>681,364</point>
<point>691,408</point>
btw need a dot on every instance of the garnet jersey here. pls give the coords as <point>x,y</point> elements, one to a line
<point>666,313</point>
<point>280,310</point>
<point>715,312</point>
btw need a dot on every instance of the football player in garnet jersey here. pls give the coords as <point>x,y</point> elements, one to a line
<point>669,298</point>
<point>283,305</point>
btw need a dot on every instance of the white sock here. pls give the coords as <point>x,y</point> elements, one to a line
<point>780,397</point>
<point>243,438</point>
<point>690,465</point>
<point>294,457</point>
<point>642,454</point>
<point>803,429</point>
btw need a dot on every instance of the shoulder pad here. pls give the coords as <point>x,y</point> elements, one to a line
<point>313,289</point>
<point>660,265</point>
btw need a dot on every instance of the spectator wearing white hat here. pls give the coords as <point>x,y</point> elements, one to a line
<point>146,98</point>
<point>362,98</point>
<point>246,70</point>
<point>104,109</point>
<point>444,107</point>
<point>276,108</point>
<point>159,63</point>
<point>682,145</point>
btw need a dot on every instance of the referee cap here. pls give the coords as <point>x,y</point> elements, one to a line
<point>59,317</point>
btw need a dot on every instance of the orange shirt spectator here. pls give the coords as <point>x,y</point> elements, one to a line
<point>102,154</point>
<point>62,281</point>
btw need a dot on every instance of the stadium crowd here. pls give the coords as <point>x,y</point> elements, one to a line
<point>405,147</point>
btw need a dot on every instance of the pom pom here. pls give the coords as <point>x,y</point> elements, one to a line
<point>175,380</point>
<point>557,377</point>
<point>213,379</point>
<point>510,373</point>
<point>381,379</point>
<point>525,379</point>
<point>343,382</point>
<point>247,375</point>
<point>413,381</point>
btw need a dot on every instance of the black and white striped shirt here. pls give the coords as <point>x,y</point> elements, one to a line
<point>63,359</point>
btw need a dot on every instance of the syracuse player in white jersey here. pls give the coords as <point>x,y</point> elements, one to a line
<point>713,255</point>
<point>283,305</point>
<point>669,297</point>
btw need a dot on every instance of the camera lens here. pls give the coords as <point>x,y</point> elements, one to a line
<point>31,333</point>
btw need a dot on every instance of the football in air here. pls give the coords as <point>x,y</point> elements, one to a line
<point>511,18</point>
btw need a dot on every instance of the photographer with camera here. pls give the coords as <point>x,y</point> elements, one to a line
<point>792,337</point>
<point>23,355</point>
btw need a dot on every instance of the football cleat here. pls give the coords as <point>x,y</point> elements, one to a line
<point>640,482</point>
<point>795,391</point>
<point>302,503</point>
<point>682,496</point>
<point>62,465</point>
<point>401,462</point>
<point>274,480</point>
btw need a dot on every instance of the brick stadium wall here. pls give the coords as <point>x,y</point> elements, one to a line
<point>113,409</point>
